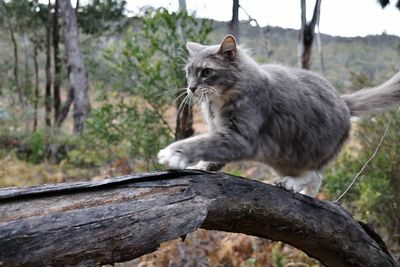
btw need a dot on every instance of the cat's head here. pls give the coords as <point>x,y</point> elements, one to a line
<point>212,71</point>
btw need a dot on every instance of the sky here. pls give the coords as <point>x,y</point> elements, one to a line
<point>338,17</point>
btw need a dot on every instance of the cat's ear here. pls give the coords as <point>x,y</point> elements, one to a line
<point>228,46</point>
<point>193,48</point>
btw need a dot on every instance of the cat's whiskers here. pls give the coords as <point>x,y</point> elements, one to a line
<point>186,101</point>
<point>182,105</point>
<point>171,91</point>
<point>176,99</point>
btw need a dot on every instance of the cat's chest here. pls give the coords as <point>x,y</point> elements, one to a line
<point>212,115</point>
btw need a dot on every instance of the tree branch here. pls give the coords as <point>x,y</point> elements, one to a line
<point>118,219</point>
<point>315,17</point>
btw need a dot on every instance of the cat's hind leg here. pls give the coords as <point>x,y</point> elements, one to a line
<point>307,184</point>
<point>312,188</point>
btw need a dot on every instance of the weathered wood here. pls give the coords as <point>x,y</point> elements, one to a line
<point>115,220</point>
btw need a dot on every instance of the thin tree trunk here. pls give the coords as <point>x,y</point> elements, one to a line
<point>15,45</point>
<point>77,7</point>
<point>47,98</point>
<point>27,78</point>
<point>182,6</point>
<point>65,109</point>
<point>57,63</point>
<point>306,35</point>
<point>234,24</point>
<point>319,44</point>
<point>77,72</point>
<point>36,98</point>
<point>303,22</point>
<point>184,120</point>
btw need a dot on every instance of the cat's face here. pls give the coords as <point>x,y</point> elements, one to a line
<point>211,70</point>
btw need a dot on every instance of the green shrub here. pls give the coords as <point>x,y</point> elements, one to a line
<point>374,197</point>
<point>145,71</point>
<point>37,147</point>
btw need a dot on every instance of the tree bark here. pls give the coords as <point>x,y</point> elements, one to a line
<point>116,220</point>
<point>65,109</point>
<point>234,25</point>
<point>76,67</point>
<point>47,97</point>
<point>306,34</point>
<point>57,63</point>
<point>15,46</point>
<point>184,120</point>
<point>36,99</point>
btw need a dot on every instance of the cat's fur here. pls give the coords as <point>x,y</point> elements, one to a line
<point>291,119</point>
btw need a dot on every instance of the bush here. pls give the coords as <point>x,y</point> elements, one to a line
<point>374,197</point>
<point>129,121</point>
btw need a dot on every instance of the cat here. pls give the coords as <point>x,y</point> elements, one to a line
<point>291,119</point>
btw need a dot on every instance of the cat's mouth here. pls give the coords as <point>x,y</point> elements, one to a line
<point>203,94</point>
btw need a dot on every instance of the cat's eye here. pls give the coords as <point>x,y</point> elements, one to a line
<point>205,73</point>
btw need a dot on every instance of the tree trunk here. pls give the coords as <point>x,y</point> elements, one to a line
<point>57,63</point>
<point>234,24</point>
<point>65,109</point>
<point>182,6</point>
<point>47,97</point>
<point>76,67</point>
<point>36,99</point>
<point>184,120</point>
<point>15,46</point>
<point>306,34</point>
<point>77,8</point>
<point>119,219</point>
<point>319,44</point>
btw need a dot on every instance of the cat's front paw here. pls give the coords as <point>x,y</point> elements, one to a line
<point>290,184</point>
<point>172,157</point>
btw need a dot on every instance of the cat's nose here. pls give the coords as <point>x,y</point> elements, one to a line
<point>192,88</point>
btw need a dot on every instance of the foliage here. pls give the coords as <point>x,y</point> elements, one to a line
<point>27,15</point>
<point>98,15</point>
<point>129,121</point>
<point>37,147</point>
<point>374,197</point>
<point>150,62</point>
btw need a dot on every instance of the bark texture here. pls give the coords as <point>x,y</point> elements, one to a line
<point>115,220</point>
<point>47,97</point>
<point>36,99</point>
<point>57,64</point>
<point>76,68</point>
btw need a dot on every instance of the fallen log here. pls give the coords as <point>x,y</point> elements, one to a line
<point>119,219</point>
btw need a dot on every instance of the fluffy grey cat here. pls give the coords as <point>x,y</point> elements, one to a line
<point>291,119</point>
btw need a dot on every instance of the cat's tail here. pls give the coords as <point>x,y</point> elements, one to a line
<point>374,99</point>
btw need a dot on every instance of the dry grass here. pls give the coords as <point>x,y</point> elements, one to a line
<point>213,248</point>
